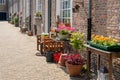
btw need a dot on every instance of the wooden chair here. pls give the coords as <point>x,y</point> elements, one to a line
<point>47,44</point>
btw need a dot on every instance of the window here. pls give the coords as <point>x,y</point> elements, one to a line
<point>66,11</point>
<point>27,8</point>
<point>2,2</point>
<point>38,5</point>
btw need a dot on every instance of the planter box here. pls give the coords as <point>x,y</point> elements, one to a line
<point>106,48</point>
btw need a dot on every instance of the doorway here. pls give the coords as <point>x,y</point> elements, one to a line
<point>3,16</point>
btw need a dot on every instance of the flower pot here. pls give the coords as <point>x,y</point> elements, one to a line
<point>30,33</point>
<point>62,59</point>
<point>23,29</point>
<point>73,70</point>
<point>49,56</point>
<point>56,57</point>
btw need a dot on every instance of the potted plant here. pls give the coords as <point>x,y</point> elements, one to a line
<point>38,18</point>
<point>77,41</point>
<point>74,64</point>
<point>16,21</point>
<point>63,34</point>
<point>23,29</point>
<point>38,15</point>
<point>105,43</point>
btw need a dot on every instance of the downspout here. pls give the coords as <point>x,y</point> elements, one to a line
<point>30,15</point>
<point>89,20</point>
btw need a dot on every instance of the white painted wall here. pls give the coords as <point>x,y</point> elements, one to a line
<point>46,16</point>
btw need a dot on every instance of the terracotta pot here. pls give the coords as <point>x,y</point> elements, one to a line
<point>30,33</point>
<point>62,59</point>
<point>73,70</point>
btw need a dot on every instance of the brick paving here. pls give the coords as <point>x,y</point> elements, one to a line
<point>18,60</point>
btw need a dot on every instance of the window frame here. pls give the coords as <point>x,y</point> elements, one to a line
<point>39,6</point>
<point>2,2</point>
<point>62,8</point>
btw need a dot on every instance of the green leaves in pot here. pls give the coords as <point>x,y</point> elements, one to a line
<point>77,40</point>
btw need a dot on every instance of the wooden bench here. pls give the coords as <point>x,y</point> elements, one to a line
<point>46,44</point>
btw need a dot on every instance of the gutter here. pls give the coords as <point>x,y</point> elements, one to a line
<point>89,19</point>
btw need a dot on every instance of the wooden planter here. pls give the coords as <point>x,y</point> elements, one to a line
<point>106,48</point>
<point>73,70</point>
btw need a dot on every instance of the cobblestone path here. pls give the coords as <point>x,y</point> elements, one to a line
<point>18,60</point>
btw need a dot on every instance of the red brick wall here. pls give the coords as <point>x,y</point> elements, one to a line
<point>99,17</point>
<point>105,17</point>
<point>113,18</point>
<point>80,17</point>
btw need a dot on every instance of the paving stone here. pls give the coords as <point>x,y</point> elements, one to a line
<point>18,60</point>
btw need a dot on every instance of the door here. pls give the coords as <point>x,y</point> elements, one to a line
<point>3,16</point>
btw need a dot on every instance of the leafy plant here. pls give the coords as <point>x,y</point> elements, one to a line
<point>27,19</point>
<point>64,32</point>
<point>75,59</point>
<point>44,34</point>
<point>12,21</point>
<point>38,14</point>
<point>16,20</point>
<point>77,40</point>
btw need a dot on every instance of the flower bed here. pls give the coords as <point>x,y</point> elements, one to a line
<point>105,43</point>
<point>115,48</point>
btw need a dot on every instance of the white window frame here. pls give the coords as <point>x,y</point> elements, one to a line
<point>59,4</point>
<point>39,6</point>
<point>27,8</point>
<point>2,2</point>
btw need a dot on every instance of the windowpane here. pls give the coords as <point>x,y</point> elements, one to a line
<point>68,13</point>
<point>38,5</point>
<point>2,2</point>
<point>65,11</point>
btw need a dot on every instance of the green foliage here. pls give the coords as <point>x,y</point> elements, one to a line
<point>16,20</point>
<point>77,40</point>
<point>27,19</point>
<point>38,14</point>
<point>12,21</point>
<point>64,32</point>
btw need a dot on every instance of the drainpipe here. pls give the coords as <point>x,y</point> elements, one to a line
<point>89,20</point>
<point>30,14</point>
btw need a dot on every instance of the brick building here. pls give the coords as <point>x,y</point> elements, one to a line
<point>3,9</point>
<point>105,14</point>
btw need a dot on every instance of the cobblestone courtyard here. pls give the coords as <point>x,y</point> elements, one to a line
<point>18,60</point>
